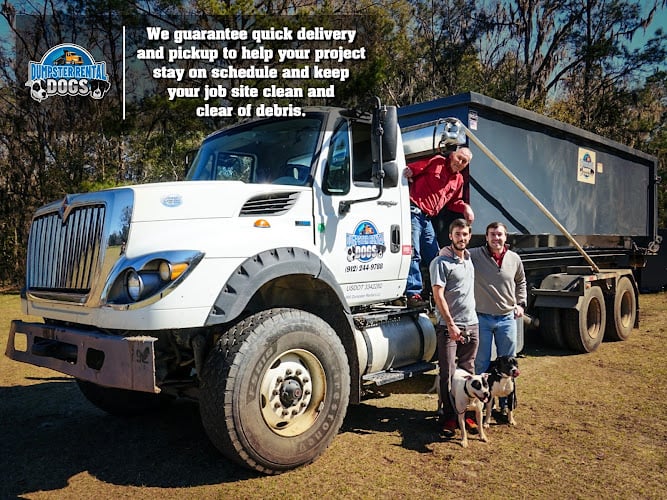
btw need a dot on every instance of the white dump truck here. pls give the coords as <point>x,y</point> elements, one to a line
<point>265,285</point>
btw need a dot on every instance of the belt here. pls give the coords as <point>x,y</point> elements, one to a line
<point>497,315</point>
<point>412,205</point>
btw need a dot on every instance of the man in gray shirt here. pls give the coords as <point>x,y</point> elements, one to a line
<point>452,280</point>
<point>500,295</point>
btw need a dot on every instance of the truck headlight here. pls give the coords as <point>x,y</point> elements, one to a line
<point>134,284</point>
<point>147,278</point>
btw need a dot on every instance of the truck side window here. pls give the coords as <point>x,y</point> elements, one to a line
<point>362,160</point>
<point>337,174</point>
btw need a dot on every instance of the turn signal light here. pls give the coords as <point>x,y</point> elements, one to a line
<point>169,271</point>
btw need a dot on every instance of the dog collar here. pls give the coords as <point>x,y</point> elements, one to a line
<point>465,389</point>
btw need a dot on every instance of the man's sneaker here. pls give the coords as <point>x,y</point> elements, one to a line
<point>416,301</point>
<point>449,427</point>
<point>471,425</point>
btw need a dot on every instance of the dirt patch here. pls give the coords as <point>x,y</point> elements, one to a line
<point>589,426</point>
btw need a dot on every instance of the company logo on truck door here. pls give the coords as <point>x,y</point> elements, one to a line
<point>67,69</point>
<point>365,243</point>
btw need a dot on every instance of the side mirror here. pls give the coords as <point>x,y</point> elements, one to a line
<point>391,174</point>
<point>384,139</point>
<point>389,138</point>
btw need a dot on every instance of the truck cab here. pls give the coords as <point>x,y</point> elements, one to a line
<point>299,172</point>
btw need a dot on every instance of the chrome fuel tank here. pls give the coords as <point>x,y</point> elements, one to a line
<point>395,341</point>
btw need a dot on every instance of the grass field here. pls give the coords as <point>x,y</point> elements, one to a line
<point>589,426</point>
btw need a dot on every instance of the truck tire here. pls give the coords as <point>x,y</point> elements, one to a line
<point>551,327</point>
<point>274,390</point>
<point>121,402</point>
<point>621,311</point>
<point>584,328</point>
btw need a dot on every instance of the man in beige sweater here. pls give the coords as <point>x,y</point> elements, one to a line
<point>500,295</point>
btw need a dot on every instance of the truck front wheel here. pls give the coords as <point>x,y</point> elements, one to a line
<point>584,328</point>
<point>275,390</point>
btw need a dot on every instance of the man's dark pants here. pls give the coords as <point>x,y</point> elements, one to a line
<point>452,355</point>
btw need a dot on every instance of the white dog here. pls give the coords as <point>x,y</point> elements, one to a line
<point>469,393</point>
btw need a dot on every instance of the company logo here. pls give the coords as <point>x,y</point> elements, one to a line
<point>67,69</point>
<point>365,243</point>
<point>65,208</point>
<point>586,167</point>
<point>172,200</point>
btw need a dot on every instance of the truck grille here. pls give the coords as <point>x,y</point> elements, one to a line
<point>269,204</point>
<point>63,254</point>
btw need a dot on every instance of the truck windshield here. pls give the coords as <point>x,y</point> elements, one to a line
<point>275,151</point>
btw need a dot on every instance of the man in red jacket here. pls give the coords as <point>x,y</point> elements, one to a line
<point>435,183</point>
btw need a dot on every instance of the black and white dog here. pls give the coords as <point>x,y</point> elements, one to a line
<point>98,88</point>
<point>501,374</point>
<point>37,89</point>
<point>469,393</point>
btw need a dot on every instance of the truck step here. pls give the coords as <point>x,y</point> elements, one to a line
<point>396,374</point>
<point>382,314</point>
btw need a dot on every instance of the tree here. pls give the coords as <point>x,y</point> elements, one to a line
<point>647,130</point>
<point>551,48</point>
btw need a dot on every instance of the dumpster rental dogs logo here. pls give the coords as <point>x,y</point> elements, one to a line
<point>67,69</point>
<point>365,244</point>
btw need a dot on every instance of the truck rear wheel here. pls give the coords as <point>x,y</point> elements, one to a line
<point>275,390</point>
<point>121,402</point>
<point>621,311</point>
<point>584,328</point>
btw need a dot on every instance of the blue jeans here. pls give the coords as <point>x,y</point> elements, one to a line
<point>424,246</point>
<point>503,328</point>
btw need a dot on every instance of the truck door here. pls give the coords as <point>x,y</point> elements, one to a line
<point>364,247</point>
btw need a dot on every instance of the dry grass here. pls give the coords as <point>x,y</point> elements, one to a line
<point>589,426</point>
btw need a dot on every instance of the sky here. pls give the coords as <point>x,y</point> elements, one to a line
<point>659,21</point>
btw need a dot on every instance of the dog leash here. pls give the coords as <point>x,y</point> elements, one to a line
<point>452,401</point>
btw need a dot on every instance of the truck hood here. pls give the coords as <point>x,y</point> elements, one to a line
<point>198,199</point>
